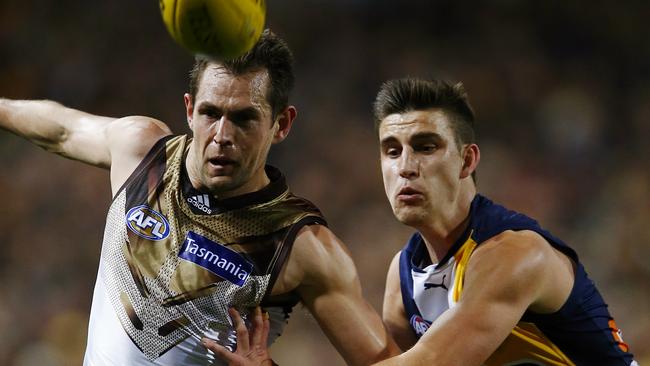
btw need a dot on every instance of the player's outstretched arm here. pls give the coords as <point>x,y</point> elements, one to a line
<point>78,135</point>
<point>331,290</point>
<point>320,269</point>
<point>505,276</point>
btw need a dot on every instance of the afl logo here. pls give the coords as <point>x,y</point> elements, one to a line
<point>147,223</point>
<point>419,324</point>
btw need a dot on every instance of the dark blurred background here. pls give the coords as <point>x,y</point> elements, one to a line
<point>560,88</point>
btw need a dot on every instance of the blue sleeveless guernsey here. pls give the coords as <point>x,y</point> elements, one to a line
<point>582,332</point>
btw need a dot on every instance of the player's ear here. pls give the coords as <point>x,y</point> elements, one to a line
<point>284,121</point>
<point>471,158</point>
<point>189,108</point>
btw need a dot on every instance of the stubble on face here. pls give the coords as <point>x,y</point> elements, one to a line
<point>248,147</point>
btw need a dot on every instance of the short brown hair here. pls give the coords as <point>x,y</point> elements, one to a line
<point>409,94</point>
<point>270,53</point>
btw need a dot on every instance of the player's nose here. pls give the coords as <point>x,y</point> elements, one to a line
<point>408,165</point>
<point>224,132</point>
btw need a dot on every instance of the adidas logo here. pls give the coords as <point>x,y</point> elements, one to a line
<point>202,202</point>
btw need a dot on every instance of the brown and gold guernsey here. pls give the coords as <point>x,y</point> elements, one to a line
<point>174,259</point>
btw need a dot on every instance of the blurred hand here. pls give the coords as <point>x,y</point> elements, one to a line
<point>251,350</point>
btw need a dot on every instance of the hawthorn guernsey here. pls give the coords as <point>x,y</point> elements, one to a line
<point>169,271</point>
<point>216,258</point>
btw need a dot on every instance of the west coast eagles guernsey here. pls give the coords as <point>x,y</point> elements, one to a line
<point>175,259</point>
<point>582,332</point>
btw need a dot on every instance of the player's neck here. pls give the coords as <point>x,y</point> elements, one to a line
<point>258,181</point>
<point>444,231</point>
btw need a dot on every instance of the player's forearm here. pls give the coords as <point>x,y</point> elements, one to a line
<point>39,121</point>
<point>363,340</point>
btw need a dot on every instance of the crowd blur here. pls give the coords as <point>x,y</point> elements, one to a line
<point>561,91</point>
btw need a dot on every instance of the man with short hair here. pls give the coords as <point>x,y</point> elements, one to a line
<point>199,225</point>
<point>477,284</point>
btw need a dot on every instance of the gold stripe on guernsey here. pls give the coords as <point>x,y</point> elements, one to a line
<point>525,343</point>
<point>462,257</point>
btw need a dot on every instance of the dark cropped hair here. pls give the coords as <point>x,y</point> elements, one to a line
<point>410,94</point>
<point>270,53</point>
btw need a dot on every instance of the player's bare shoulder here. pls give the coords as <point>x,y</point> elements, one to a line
<point>129,140</point>
<point>321,253</point>
<point>525,259</point>
<point>318,258</point>
<point>135,135</point>
<point>514,254</point>
<point>516,244</point>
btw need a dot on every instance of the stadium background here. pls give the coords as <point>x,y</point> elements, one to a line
<point>561,91</point>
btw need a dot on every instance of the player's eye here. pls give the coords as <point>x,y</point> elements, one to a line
<point>392,152</point>
<point>210,113</point>
<point>426,148</point>
<point>245,118</point>
<point>241,121</point>
<point>213,115</point>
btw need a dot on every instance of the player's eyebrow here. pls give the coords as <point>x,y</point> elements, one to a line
<point>209,108</point>
<point>244,114</point>
<point>388,140</point>
<point>415,138</point>
<point>426,137</point>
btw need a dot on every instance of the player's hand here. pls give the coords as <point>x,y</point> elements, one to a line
<point>251,349</point>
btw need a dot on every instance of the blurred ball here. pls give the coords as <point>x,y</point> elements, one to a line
<point>221,29</point>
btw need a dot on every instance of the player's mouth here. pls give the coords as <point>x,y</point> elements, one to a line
<point>221,165</point>
<point>409,195</point>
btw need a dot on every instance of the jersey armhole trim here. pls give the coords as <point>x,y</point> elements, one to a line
<point>287,245</point>
<point>148,158</point>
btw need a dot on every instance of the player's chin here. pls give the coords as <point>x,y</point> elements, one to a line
<point>409,215</point>
<point>220,184</point>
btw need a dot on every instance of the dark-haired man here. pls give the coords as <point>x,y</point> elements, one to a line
<point>200,224</point>
<point>477,284</point>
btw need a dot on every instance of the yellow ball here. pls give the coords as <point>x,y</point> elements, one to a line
<point>218,28</point>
